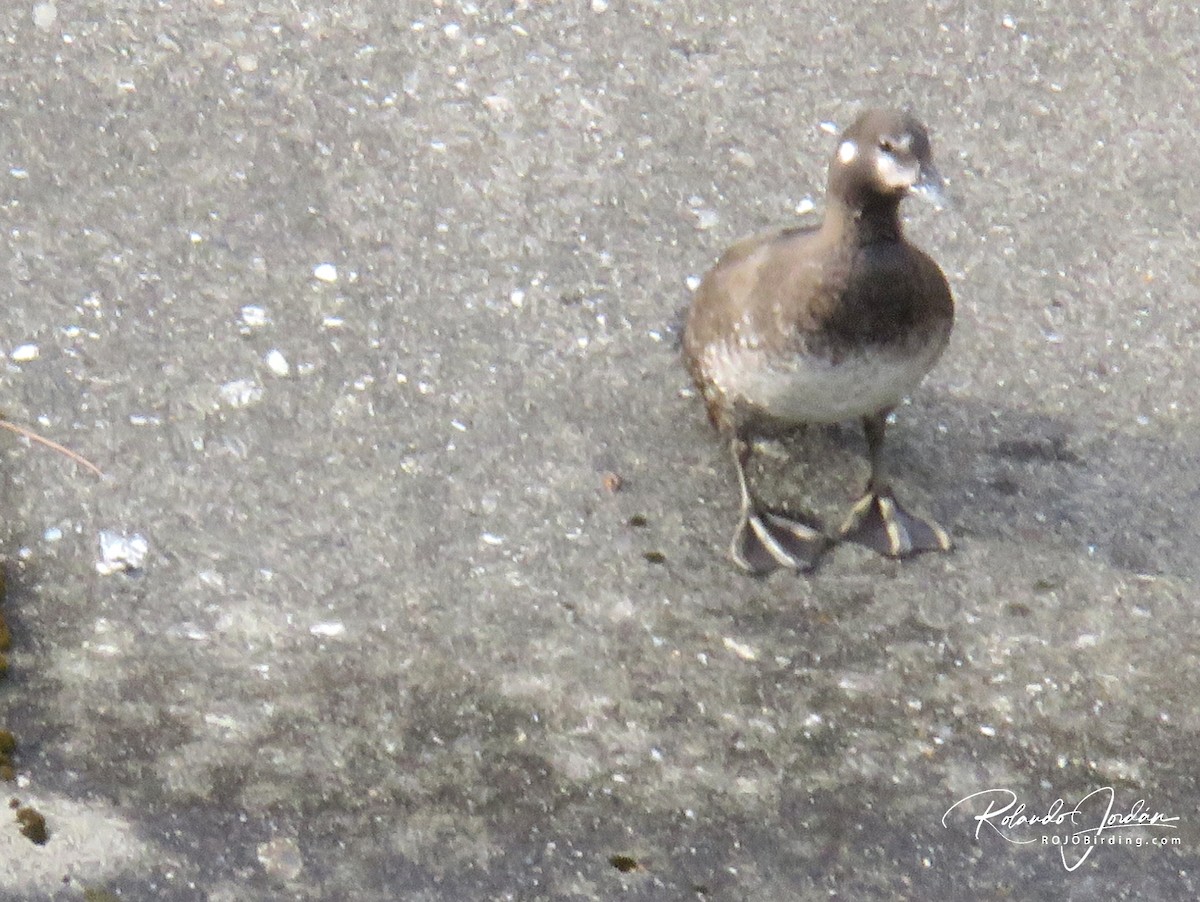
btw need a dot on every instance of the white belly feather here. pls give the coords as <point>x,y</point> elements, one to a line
<point>801,388</point>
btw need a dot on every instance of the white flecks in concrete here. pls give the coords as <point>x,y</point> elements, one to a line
<point>223,721</point>
<point>241,393</point>
<point>25,353</point>
<point>121,552</point>
<point>741,649</point>
<point>45,15</point>
<point>743,158</point>
<point>498,103</point>
<point>277,363</point>
<point>254,317</point>
<point>328,629</point>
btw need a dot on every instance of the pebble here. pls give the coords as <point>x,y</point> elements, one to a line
<point>120,552</point>
<point>277,363</point>
<point>26,353</point>
<point>328,629</point>
<point>44,15</point>
<point>254,317</point>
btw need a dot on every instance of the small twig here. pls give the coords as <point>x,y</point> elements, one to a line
<point>54,446</point>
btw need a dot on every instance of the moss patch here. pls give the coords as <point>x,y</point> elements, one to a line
<point>92,894</point>
<point>8,745</point>
<point>8,742</point>
<point>5,635</point>
<point>625,863</point>
<point>33,825</point>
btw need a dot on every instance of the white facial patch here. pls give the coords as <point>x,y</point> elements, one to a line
<point>892,174</point>
<point>847,152</point>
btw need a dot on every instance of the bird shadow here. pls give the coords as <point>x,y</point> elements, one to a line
<point>989,472</point>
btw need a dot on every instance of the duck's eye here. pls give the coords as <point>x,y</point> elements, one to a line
<point>886,145</point>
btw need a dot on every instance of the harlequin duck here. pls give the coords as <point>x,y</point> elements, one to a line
<point>819,325</point>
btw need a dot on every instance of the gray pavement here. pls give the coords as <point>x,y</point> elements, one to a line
<point>397,636</point>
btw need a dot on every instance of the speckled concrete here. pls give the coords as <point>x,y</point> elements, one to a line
<point>397,637</point>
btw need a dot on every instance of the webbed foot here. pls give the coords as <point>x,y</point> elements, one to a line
<point>881,524</point>
<point>767,540</point>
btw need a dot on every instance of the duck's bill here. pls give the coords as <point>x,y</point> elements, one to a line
<point>931,187</point>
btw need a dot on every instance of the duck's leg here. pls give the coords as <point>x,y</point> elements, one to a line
<point>877,520</point>
<point>766,540</point>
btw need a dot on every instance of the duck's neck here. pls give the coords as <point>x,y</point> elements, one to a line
<point>871,222</point>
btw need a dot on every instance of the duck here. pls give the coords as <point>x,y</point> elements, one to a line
<point>824,324</point>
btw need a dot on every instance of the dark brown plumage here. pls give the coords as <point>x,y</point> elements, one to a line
<point>825,324</point>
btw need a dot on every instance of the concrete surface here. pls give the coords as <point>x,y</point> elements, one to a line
<point>397,637</point>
